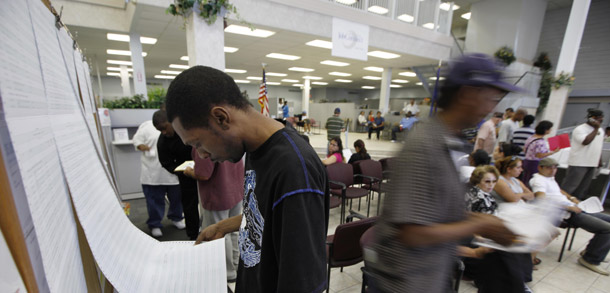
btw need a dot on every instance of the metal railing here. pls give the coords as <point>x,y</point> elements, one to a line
<point>429,14</point>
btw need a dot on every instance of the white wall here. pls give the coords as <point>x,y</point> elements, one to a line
<point>592,70</point>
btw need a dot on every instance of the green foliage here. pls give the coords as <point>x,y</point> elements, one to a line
<point>156,97</point>
<point>506,55</point>
<point>544,92</point>
<point>208,9</point>
<point>543,62</point>
<point>564,79</point>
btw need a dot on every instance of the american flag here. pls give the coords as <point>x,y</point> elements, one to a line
<point>262,96</point>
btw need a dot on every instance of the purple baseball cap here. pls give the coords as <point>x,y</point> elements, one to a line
<point>478,69</point>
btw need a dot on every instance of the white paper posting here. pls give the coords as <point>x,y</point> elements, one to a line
<point>183,166</point>
<point>591,205</point>
<point>10,279</point>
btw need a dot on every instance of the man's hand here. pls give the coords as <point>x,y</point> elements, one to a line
<point>143,148</point>
<point>494,229</point>
<point>574,209</point>
<point>190,172</point>
<point>210,233</point>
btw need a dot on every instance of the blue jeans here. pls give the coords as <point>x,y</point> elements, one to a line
<point>155,203</point>
<point>598,224</point>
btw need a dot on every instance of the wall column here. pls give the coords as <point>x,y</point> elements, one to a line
<point>305,98</point>
<point>139,75</point>
<point>384,90</point>
<point>205,42</point>
<point>125,81</point>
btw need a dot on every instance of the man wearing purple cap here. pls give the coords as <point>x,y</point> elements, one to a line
<point>424,215</point>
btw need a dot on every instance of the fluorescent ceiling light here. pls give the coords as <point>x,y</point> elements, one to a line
<point>113,74</point>
<point>171,72</point>
<point>320,83</point>
<point>243,30</point>
<point>275,74</point>
<point>122,52</point>
<point>118,69</point>
<point>378,9</point>
<point>434,78</point>
<point>312,77</point>
<point>320,44</point>
<point>283,56</point>
<point>273,83</point>
<point>466,15</point>
<point>382,54</point>
<point>406,18</point>
<point>254,77</point>
<point>125,38</point>
<point>178,66</point>
<point>395,85</point>
<point>241,81</point>
<point>184,58</point>
<point>340,73</point>
<point>408,73</point>
<point>300,69</point>
<point>297,84</point>
<point>231,49</point>
<point>235,70</point>
<point>373,68</point>
<point>165,76</point>
<point>346,2</point>
<point>428,25</point>
<point>368,87</point>
<point>372,77</point>
<point>400,81</point>
<point>119,62</point>
<point>343,80</point>
<point>419,83</point>
<point>446,6</point>
<point>290,80</point>
<point>334,63</point>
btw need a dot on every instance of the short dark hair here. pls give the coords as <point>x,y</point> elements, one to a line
<point>447,95</point>
<point>360,144</point>
<point>528,120</point>
<point>196,90</point>
<point>159,117</point>
<point>509,109</point>
<point>509,149</point>
<point>480,157</point>
<point>543,126</point>
<point>593,112</point>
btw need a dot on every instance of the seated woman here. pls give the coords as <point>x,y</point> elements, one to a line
<point>509,188</point>
<point>335,152</point>
<point>360,154</point>
<point>536,150</point>
<point>492,271</point>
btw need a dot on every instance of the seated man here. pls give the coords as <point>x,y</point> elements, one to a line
<point>305,123</point>
<point>406,123</point>
<point>377,125</point>
<point>543,184</point>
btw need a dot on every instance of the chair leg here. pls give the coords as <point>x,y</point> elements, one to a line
<point>359,202</point>
<point>572,241</point>
<point>563,246</point>
<point>341,269</point>
<point>378,203</point>
<point>342,214</point>
<point>368,208</point>
<point>328,280</point>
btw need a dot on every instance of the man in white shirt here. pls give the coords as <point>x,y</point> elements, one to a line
<point>156,181</point>
<point>543,184</point>
<point>508,127</point>
<point>486,136</point>
<point>411,107</point>
<point>585,153</point>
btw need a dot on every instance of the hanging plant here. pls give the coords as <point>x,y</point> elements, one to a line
<point>543,62</point>
<point>564,79</point>
<point>209,10</point>
<point>506,55</point>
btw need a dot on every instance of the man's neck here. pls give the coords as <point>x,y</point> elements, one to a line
<point>256,128</point>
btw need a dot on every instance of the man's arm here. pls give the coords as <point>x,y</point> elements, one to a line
<point>165,156</point>
<point>589,138</point>
<point>219,230</point>
<point>488,226</point>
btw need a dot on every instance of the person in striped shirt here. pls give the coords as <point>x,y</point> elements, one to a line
<point>523,133</point>
<point>334,125</point>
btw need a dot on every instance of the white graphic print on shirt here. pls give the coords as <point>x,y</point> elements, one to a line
<point>252,223</point>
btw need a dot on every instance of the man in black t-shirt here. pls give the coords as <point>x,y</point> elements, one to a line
<point>172,153</point>
<point>282,230</point>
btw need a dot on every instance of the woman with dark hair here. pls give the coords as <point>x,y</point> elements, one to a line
<point>535,149</point>
<point>360,154</point>
<point>509,188</point>
<point>335,152</point>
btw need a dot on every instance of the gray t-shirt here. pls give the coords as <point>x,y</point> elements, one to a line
<point>425,190</point>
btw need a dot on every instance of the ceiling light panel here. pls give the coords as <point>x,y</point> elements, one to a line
<point>235,70</point>
<point>312,77</point>
<point>408,73</point>
<point>300,69</point>
<point>406,18</point>
<point>243,30</point>
<point>273,83</point>
<point>334,63</point>
<point>118,69</point>
<point>164,76</point>
<point>119,62</point>
<point>446,6</point>
<point>275,74</point>
<point>283,56</point>
<point>373,68</point>
<point>400,81</point>
<point>383,55</point>
<point>319,82</point>
<point>343,80</point>
<point>241,81</point>
<point>335,73</point>
<point>290,80</point>
<point>371,77</point>
<point>174,72</point>
<point>297,84</point>
<point>466,15</point>
<point>178,66</point>
<point>395,85</point>
<point>122,52</point>
<point>346,2</point>
<point>320,44</point>
<point>125,38</point>
<point>378,9</point>
<point>254,78</point>
<point>184,58</point>
<point>231,49</point>
<point>368,87</point>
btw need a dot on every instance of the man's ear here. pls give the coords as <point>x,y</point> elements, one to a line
<point>221,117</point>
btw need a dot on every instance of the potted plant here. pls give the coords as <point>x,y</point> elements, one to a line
<point>209,10</point>
<point>506,55</point>
<point>132,111</point>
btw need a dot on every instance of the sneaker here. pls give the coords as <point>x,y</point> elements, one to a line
<point>179,224</point>
<point>156,232</point>
<point>393,140</point>
<point>593,267</point>
<point>527,289</point>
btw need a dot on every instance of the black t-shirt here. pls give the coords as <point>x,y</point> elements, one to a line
<point>172,153</point>
<point>358,157</point>
<point>282,238</point>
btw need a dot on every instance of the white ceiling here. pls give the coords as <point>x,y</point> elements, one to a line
<point>171,45</point>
